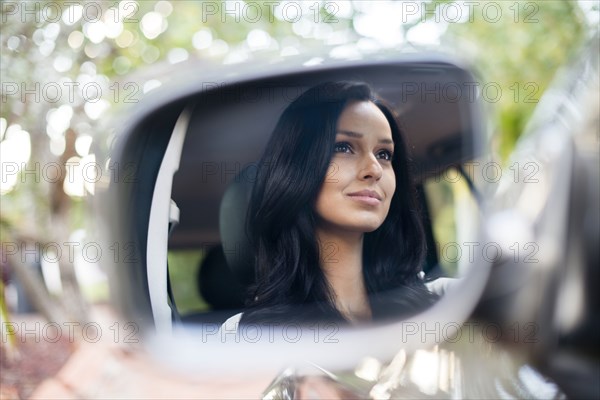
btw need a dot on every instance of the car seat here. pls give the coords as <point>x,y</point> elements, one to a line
<point>232,225</point>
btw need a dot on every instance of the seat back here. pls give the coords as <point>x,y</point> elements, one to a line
<point>232,225</point>
<point>217,284</point>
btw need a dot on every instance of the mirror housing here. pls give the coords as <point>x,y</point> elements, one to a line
<point>228,118</point>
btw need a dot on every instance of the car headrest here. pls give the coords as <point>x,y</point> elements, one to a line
<point>218,285</point>
<point>232,225</point>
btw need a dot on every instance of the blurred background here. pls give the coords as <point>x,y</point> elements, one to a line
<point>68,67</point>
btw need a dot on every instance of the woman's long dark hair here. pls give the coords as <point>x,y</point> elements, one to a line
<point>281,222</point>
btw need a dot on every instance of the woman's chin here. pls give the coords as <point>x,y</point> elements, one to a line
<point>368,223</point>
<point>358,224</point>
<point>366,226</point>
<point>371,228</point>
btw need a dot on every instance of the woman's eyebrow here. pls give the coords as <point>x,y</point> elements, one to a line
<point>351,134</point>
<point>360,135</point>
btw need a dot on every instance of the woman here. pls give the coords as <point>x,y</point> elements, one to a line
<point>333,218</point>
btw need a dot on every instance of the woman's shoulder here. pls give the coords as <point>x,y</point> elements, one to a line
<point>232,323</point>
<point>441,285</point>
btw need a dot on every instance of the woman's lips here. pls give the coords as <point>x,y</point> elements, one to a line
<point>366,196</point>
<point>372,201</point>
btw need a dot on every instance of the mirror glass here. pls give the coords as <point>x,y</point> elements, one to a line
<point>227,129</point>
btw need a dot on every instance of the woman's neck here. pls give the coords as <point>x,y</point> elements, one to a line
<point>341,261</point>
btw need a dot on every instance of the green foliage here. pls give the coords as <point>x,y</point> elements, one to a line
<point>521,52</point>
<point>183,271</point>
<point>8,346</point>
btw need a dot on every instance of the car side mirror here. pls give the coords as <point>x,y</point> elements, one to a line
<point>183,163</point>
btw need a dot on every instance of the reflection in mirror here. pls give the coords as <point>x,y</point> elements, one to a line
<point>331,145</point>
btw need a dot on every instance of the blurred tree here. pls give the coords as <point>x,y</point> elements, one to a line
<point>519,46</point>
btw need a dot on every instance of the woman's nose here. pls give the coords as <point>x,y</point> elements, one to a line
<point>371,168</point>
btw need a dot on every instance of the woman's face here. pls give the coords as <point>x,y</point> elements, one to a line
<point>360,182</point>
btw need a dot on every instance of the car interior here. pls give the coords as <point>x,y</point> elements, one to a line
<point>206,145</point>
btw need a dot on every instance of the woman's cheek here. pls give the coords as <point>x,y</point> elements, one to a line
<point>331,174</point>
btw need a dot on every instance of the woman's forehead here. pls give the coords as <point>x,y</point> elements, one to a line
<point>362,119</point>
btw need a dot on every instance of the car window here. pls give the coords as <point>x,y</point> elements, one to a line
<point>454,213</point>
<point>184,269</point>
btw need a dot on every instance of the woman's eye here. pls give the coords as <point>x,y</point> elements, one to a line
<point>385,155</point>
<point>342,147</point>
